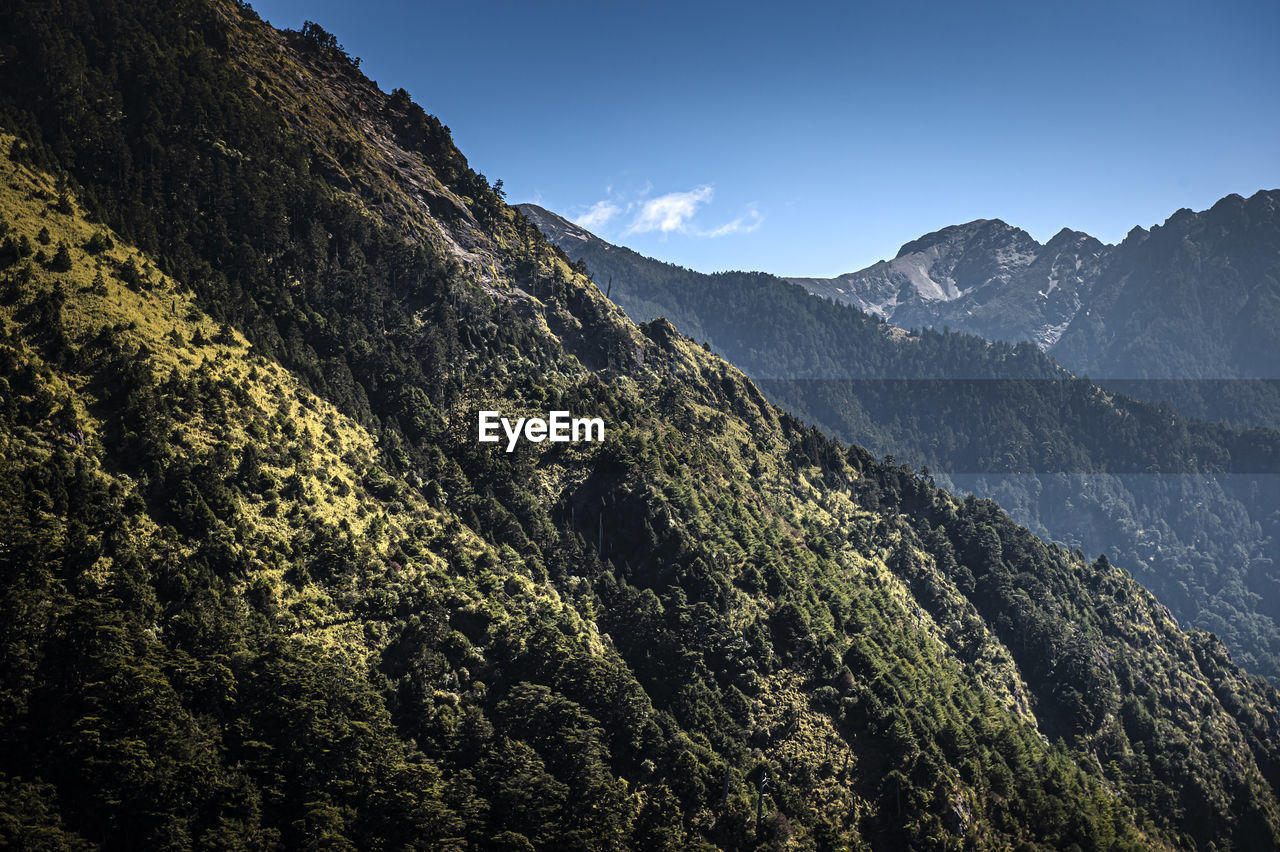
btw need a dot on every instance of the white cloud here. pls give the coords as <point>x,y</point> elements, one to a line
<point>675,212</point>
<point>599,214</point>
<point>669,212</point>
<point>742,225</point>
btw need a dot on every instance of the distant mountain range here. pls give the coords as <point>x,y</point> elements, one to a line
<point>1208,281</point>
<point>1186,313</point>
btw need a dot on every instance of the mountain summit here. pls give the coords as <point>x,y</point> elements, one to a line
<point>984,277</point>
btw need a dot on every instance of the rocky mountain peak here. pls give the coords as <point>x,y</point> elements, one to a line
<point>980,234</point>
<point>1068,237</point>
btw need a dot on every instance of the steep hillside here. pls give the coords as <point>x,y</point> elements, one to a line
<point>1191,508</point>
<point>263,588</point>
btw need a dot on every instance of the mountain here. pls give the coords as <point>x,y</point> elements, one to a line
<point>1189,507</point>
<point>264,588</point>
<point>1186,313</point>
<point>1195,298</point>
<point>985,277</point>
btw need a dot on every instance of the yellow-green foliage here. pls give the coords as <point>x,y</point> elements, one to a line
<point>295,432</point>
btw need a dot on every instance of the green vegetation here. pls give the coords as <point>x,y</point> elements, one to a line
<point>1190,507</point>
<point>263,589</point>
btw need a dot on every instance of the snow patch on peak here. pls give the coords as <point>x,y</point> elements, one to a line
<point>917,269</point>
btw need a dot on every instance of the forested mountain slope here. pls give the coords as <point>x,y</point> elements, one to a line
<point>1192,508</point>
<point>262,588</point>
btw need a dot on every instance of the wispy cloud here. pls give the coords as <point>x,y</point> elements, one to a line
<point>744,224</point>
<point>670,212</point>
<point>599,214</point>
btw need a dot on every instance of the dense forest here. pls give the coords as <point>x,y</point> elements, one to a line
<point>263,589</point>
<point>1191,507</point>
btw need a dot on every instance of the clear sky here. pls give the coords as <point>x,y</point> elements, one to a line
<point>807,138</point>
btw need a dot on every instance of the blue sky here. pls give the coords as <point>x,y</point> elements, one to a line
<point>815,138</point>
